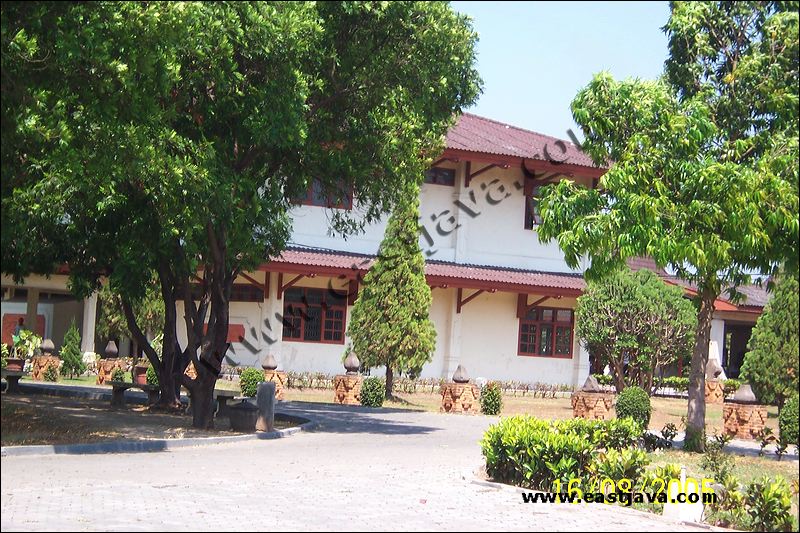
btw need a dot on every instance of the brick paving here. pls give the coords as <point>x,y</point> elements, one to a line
<point>360,469</point>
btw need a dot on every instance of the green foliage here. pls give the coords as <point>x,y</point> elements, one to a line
<point>704,176</point>
<point>148,310</point>
<point>390,323</point>
<point>716,461</point>
<point>628,463</point>
<point>71,352</point>
<point>26,344</point>
<point>635,317</point>
<point>249,380</point>
<point>173,137</point>
<point>533,453</point>
<point>771,363</point>
<point>634,403</point>
<point>669,432</point>
<point>731,385</point>
<point>152,376</point>
<point>373,392</point>
<point>118,375</point>
<point>769,505</point>
<point>491,399</point>
<point>788,420</point>
<point>729,509</point>
<point>604,379</point>
<point>51,373</point>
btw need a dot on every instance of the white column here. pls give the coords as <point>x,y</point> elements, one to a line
<point>716,342</point>
<point>580,360</point>
<point>89,322</point>
<point>453,352</point>
<point>271,325</point>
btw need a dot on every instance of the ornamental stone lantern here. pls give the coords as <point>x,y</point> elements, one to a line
<point>591,402</point>
<point>743,416</point>
<point>459,395</point>
<point>39,363</point>
<point>109,363</point>
<point>273,375</point>
<point>715,390</point>
<point>347,387</point>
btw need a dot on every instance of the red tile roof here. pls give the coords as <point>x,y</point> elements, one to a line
<point>329,262</point>
<point>478,134</point>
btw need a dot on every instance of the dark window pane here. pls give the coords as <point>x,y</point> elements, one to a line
<point>314,296</point>
<point>337,336</point>
<point>546,340</point>
<point>547,315</point>
<point>532,314</point>
<point>440,176</point>
<point>312,330</point>
<point>563,340</point>
<point>293,294</point>
<point>336,298</point>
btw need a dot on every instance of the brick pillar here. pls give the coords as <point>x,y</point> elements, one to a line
<point>592,405</point>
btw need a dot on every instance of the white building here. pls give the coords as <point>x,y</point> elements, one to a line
<point>502,301</point>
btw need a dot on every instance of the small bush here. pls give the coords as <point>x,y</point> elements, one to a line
<point>533,453</point>
<point>788,420</point>
<point>249,380</point>
<point>51,373</point>
<point>118,375</point>
<point>716,461</point>
<point>730,386</point>
<point>152,376</point>
<point>373,392</point>
<point>769,504</point>
<point>71,352</point>
<point>633,402</point>
<point>491,399</point>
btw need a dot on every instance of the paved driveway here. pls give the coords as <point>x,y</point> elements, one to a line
<point>361,469</point>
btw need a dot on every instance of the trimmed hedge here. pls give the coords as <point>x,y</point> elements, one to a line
<point>634,402</point>
<point>491,399</point>
<point>788,420</point>
<point>249,380</point>
<point>373,392</point>
<point>533,453</point>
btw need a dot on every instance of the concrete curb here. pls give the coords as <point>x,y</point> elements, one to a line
<point>154,445</point>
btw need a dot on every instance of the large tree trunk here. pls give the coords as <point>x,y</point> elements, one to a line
<point>203,400</point>
<point>389,381</point>
<point>696,414</point>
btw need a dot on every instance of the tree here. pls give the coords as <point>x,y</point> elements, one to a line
<point>390,323</point>
<point>173,137</point>
<point>71,354</point>
<point>704,176</point>
<point>635,323</point>
<point>148,312</point>
<point>771,363</point>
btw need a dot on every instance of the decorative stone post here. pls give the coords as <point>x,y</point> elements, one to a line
<point>107,365</point>
<point>592,402</point>
<point>743,416</point>
<point>39,363</point>
<point>347,387</point>
<point>459,395</point>
<point>273,375</point>
<point>715,390</point>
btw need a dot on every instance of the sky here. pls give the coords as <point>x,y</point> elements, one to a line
<point>535,56</point>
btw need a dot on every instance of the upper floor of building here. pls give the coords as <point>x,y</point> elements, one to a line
<point>478,202</point>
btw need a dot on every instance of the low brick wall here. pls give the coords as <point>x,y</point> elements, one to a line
<point>744,421</point>
<point>715,391</point>
<point>279,379</point>
<point>347,389</point>
<point>105,367</point>
<point>593,405</point>
<point>460,398</point>
<point>40,363</point>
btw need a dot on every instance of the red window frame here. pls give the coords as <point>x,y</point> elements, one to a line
<point>331,310</point>
<point>313,198</point>
<point>532,215</point>
<point>529,338</point>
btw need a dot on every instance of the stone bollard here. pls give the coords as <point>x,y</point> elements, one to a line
<point>591,402</point>
<point>743,416</point>
<point>715,390</point>
<point>347,387</point>
<point>265,400</point>
<point>459,395</point>
<point>272,374</point>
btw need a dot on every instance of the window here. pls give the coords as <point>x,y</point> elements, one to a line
<point>314,315</point>
<point>440,176</point>
<point>532,216</point>
<point>546,332</point>
<point>240,292</point>
<point>315,195</point>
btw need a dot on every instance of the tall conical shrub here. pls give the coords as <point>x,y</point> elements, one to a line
<point>390,324</point>
<point>71,353</point>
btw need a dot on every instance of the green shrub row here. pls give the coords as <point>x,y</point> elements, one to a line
<point>249,380</point>
<point>533,453</point>
<point>678,383</point>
